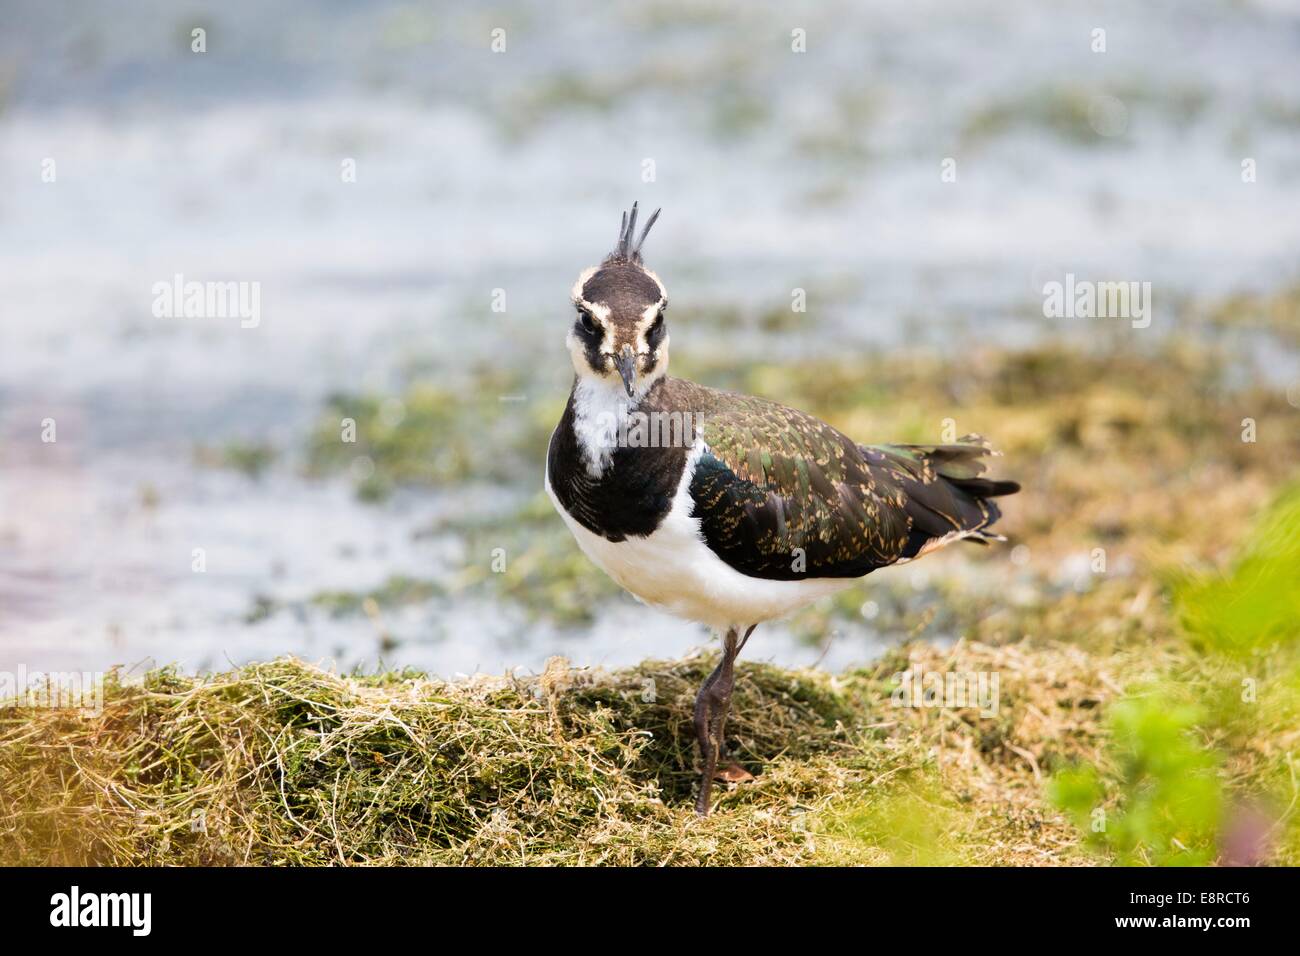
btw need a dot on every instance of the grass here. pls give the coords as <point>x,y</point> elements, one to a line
<point>1194,748</point>
<point>282,763</point>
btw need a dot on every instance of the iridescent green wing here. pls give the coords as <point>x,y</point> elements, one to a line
<point>783,496</point>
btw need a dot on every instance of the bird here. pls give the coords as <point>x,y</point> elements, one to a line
<point>725,509</point>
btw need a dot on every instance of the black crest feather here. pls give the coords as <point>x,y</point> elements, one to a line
<point>629,245</point>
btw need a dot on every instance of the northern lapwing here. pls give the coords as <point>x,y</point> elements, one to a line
<point>727,509</point>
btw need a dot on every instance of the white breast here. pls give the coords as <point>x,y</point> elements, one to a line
<point>675,570</point>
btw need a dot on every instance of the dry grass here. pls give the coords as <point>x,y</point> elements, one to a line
<point>283,763</point>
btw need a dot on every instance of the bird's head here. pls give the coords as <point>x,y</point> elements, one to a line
<point>619,335</point>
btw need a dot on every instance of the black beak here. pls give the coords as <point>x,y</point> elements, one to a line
<point>625,362</point>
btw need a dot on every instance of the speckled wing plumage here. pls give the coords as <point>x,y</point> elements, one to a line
<point>783,496</point>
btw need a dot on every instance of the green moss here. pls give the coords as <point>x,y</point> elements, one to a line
<point>529,557</point>
<point>1067,112</point>
<point>250,457</point>
<point>1061,111</point>
<point>398,590</point>
<point>485,429</point>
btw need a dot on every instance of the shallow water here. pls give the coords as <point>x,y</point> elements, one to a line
<point>478,172</point>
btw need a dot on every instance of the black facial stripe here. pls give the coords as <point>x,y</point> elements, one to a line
<point>586,324</point>
<point>591,343</point>
<point>657,332</point>
<point>589,338</point>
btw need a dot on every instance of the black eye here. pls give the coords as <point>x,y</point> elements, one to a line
<point>585,320</point>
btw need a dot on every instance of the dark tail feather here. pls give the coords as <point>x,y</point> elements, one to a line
<point>956,505</point>
<point>985,487</point>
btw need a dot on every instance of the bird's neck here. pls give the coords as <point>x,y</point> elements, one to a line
<point>608,466</point>
<point>600,414</point>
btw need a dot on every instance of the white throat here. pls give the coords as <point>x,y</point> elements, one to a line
<point>600,411</point>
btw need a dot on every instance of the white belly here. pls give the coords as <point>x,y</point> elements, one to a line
<point>675,570</point>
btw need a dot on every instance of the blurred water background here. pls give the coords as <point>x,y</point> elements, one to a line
<point>479,171</point>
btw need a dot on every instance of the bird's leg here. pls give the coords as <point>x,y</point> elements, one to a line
<point>745,640</point>
<point>711,707</point>
<point>704,736</point>
<point>729,656</point>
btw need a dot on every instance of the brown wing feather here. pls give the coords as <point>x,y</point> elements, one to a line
<point>781,495</point>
